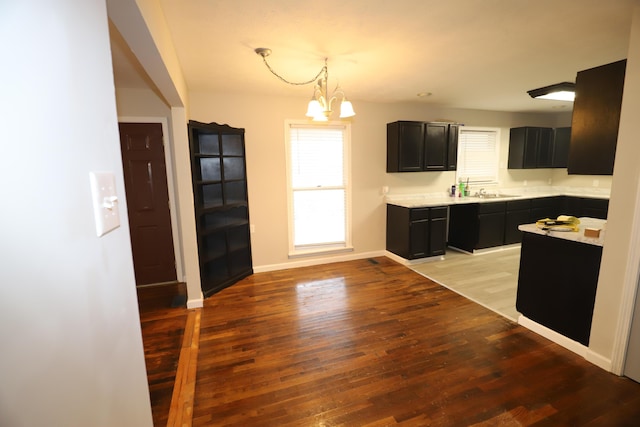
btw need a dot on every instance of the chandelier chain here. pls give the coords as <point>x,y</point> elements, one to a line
<point>313,80</point>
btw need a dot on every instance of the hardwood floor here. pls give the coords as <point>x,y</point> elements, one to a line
<point>490,279</point>
<point>163,327</point>
<point>373,343</point>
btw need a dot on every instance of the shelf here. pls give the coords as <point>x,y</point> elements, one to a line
<point>222,219</point>
<point>208,143</point>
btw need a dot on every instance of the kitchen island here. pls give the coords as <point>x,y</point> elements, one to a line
<point>558,278</point>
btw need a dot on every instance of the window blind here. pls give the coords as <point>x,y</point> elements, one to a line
<point>478,156</point>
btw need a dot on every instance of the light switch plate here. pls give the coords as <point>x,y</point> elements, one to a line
<point>105,201</point>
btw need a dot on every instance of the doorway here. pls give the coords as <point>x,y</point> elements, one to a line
<point>145,176</point>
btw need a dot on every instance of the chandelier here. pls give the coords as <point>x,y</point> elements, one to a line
<point>319,108</point>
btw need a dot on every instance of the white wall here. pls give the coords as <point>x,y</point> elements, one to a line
<point>621,254</point>
<point>140,102</point>
<point>72,351</point>
<point>263,119</point>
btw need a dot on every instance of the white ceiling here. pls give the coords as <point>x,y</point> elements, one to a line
<point>478,54</point>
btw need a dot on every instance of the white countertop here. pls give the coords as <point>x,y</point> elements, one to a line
<point>576,236</point>
<point>442,199</point>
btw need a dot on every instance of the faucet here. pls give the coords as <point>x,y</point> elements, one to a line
<point>482,192</point>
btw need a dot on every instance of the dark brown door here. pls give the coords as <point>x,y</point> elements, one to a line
<point>145,178</point>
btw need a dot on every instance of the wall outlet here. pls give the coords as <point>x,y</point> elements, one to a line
<point>596,182</point>
<point>384,190</point>
<point>252,228</point>
<point>524,183</point>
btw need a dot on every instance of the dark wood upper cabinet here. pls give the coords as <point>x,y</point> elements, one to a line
<point>405,147</point>
<point>435,146</point>
<point>595,121</point>
<point>421,146</point>
<point>530,147</point>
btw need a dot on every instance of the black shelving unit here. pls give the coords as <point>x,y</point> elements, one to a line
<point>219,176</point>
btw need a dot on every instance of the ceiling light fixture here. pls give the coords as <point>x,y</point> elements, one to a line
<point>319,108</point>
<point>564,91</point>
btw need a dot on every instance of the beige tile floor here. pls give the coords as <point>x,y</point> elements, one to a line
<point>490,278</point>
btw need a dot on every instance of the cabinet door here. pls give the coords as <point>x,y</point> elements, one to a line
<point>595,120</point>
<point>572,206</point>
<point>544,148</point>
<point>595,208</point>
<point>419,237</point>
<point>530,148</point>
<point>419,232</point>
<point>397,236</point>
<point>523,148</point>
<point>491,220</point>
<point>512,221</point>
<point>463,226</point>
<point>411,146</point>
<point>435,146</point>
<point>437,231</point>
<point>452,148</point>
<point>561,140</point>
<point>546,207</point>
<point>518,212</point>
<point>405,147</point>
<point>491,230</point>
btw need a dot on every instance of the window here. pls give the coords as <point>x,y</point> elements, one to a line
<point>478,155</point>
<point>318,188</point>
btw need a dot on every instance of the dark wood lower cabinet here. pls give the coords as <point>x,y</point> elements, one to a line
<point>438,230</point>
<point>557,284</point>
<point>477,225</point>
<point>546,207</point>
<point>414,233</point>
<point>491,223</point>
<point>474,226</point>
<point>518,212</point>
<point>463,226</point>
<point>585,206</point>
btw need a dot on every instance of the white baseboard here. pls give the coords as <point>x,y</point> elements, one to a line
<point>599,360</point>
<point>574,346</point>
<point>409,262</point>
<point>307,262</point>
<point>487,250</point>
<point>196,302</point>
<point>552,335</point>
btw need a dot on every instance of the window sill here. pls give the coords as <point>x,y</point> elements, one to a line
<point>319,251</point>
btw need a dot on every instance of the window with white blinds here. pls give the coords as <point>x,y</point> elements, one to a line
<point>317,157</point>
<point>478,155</point>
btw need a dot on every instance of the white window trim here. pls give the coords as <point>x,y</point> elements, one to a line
<point>459,175</point>
<point>324,248</point>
